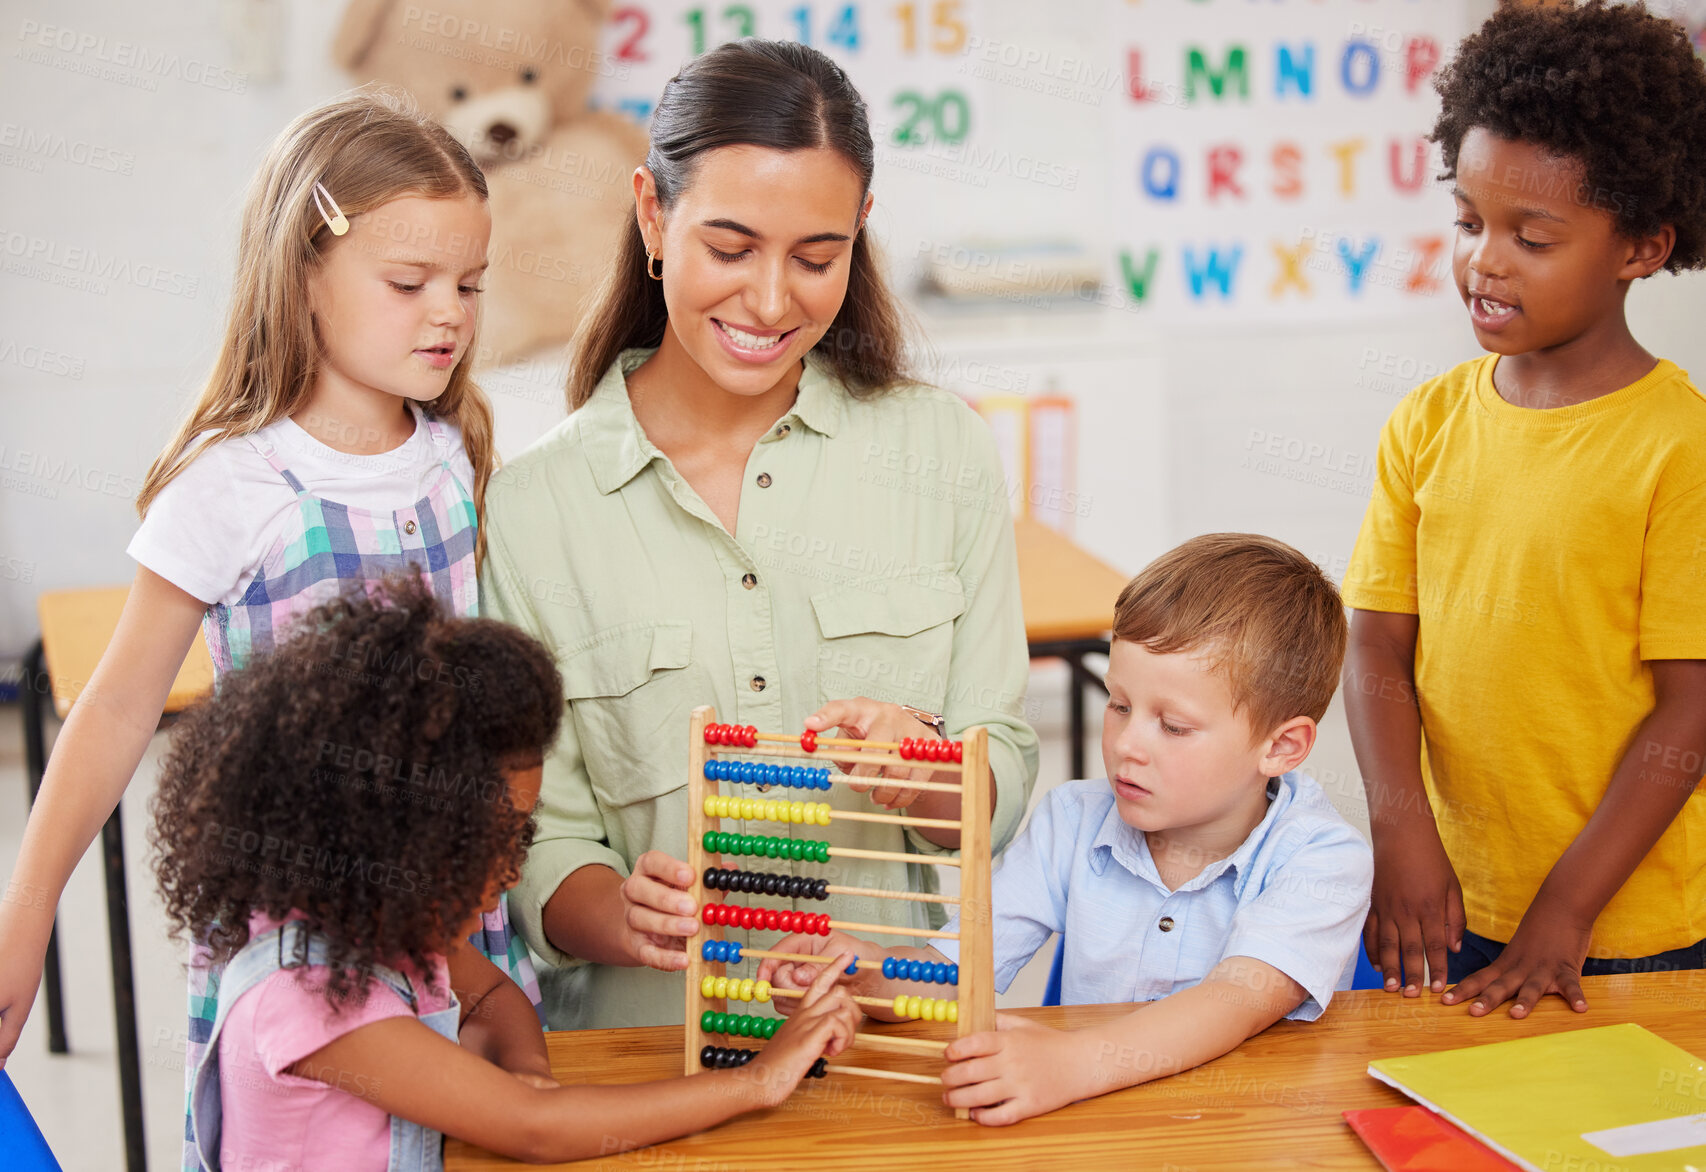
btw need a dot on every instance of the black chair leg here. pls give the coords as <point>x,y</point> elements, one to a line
<point>1083,678</point>
<point>36,693</point>
<point>124,994</point>
<point>1075,694</point>
<point>34,697</point>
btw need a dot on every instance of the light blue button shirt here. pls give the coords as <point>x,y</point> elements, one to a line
<point>1293,895</point>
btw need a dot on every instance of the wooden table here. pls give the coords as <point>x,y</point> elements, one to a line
<point>1275,1102</point>
<point>76,626</point>
<point>1068,597</point>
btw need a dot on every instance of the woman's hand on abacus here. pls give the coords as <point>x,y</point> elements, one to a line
<point>872,720</point>
<point>657,914</point>
<point>821,1025</point>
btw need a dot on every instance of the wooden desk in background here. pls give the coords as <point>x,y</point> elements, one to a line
<point>1069,609</point>
<point>76,626</point>
<point>1275,1102</point>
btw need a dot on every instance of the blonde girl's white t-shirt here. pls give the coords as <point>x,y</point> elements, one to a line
<point>209,529</point>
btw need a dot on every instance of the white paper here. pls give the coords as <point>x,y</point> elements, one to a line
<point>1642,1139</point>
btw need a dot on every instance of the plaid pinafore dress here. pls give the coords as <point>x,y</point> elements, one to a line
<point>327,548</point>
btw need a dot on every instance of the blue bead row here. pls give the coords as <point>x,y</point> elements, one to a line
<point>921,970</point>
<point>760,773</point>
<point>726,951</point>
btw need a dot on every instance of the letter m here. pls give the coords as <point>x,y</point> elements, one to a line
<point>1197,71</point>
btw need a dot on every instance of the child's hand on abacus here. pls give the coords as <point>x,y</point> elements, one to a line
<point>793,974</point>
<point>1015,1071</point>
<point>821,1025</point>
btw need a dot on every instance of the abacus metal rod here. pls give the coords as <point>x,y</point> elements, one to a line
<point>899,1045</point>
<point>876,1002</point>
<point>851,852</point>
<point>782,738</point>
<point>851,926</point>
<point>838,889</point>
<point>866,965</point>
<point>878,893</point>
<point>893,819</point>
<point>846,758</point>
<point>716,919</point>
<point>781,814</point>
<point>895,1075</point>
<point>850,779</point>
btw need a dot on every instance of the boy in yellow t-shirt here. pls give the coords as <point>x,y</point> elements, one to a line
<point>1526,676</point>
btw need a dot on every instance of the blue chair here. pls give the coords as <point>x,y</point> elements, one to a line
<point>1051,991</point>
<point>1366,976</point>
<point>26,1149</point>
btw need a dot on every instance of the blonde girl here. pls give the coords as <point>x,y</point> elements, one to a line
<point>338,440</point>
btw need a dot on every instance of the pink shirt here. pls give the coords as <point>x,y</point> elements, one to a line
<point>277,1122</point>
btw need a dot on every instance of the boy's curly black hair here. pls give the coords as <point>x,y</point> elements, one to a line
<point>1610,86</point>
<point>357,774</point>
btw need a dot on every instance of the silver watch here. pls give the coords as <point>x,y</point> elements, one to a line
<point>933,719</point>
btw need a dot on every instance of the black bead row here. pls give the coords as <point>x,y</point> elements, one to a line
<point>723,1057</point>
<point>763,883</point>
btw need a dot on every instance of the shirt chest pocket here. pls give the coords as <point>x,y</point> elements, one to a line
<point>629,690</point>
<point>889,640</point>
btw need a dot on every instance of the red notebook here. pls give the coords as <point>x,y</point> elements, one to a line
<point>1414,1139</point>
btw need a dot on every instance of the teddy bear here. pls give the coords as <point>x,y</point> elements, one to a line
<point>511,79</point>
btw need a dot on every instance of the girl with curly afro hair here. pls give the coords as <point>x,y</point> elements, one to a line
<point>1527,624</point>
<point>331,825</point>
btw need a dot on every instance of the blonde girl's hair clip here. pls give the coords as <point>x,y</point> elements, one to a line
<point>335,219</point>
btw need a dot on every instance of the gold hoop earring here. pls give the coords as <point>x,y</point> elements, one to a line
<point>652,257</point>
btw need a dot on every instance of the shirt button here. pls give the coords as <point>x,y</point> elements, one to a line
<point>408,527</point>
<point>749,580</point>
<point>764,480</point>
<point>757,683</point>
<point>1166,924</point>
<point>784,429</point>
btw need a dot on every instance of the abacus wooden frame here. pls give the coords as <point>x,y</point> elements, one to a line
<point>976,988</point>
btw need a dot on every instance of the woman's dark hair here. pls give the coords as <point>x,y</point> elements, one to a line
<point>774,94</point>
<point>1612,87</point>
<point>357,775</point>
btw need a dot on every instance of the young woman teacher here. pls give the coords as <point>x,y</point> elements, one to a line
<point>749,506</point>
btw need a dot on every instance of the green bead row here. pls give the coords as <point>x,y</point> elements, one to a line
<point>720,842</point>
<point>744,1025</point>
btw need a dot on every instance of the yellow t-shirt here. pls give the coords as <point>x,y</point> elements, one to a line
<point>1548,554</point>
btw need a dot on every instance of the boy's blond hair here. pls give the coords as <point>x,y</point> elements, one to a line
<point>1263,614</point>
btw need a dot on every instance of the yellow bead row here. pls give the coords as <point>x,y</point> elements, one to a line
<point>926,1008</point>
<point>737,989</point>
<point>767,809</point>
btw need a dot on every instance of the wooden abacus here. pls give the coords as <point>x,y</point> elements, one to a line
<point>738,754</point>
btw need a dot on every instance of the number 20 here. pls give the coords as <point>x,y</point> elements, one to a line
<point>948,116</point>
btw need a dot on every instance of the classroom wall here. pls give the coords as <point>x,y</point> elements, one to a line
<point>1179,426</point>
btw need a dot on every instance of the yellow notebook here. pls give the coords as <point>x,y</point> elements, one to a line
<point>1612,1098</point>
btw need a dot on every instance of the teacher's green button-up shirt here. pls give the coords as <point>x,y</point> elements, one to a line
<point>873,556</point>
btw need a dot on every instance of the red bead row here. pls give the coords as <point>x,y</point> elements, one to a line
<point>925,749</point>
<point>767,918</point>
<point>743,736</point>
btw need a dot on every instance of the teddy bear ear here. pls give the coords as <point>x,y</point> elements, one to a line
<point>359,30</point>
